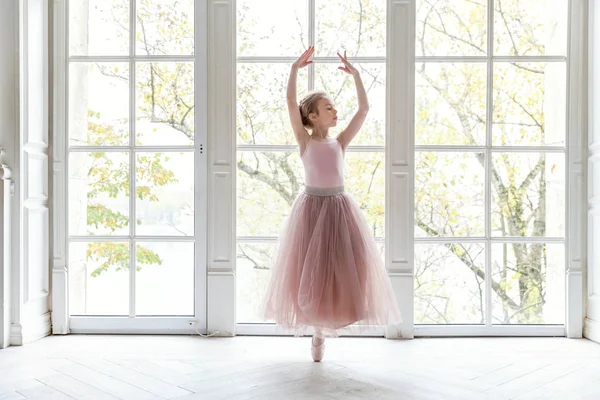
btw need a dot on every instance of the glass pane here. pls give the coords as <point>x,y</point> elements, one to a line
<point>99,193</point>
<point>449,194</point>
<point>272,27</point>
<point>530,28</point>
<point>365,182</point>
<point>165,27</point>
<point>528,283</point>
<point>451,28</point>
<point>528,194</point>
<point>99,278</point>
<point>164,280</point>
<point>267,185</point>
<point>262,114</point>
<point>164,190</point>
<point>529,104</point>
<point>450,103</point>
<point>165,104</point>
<point>98,27</point>
<point>341,88</point>
<point>98,104</point>
<point>355,26</point>
<point>449,283</point>
<point>254,262</point>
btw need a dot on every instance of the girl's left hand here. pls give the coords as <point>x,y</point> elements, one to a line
<point>347,68</point>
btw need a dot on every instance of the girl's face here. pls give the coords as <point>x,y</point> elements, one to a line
<point>327,116</point>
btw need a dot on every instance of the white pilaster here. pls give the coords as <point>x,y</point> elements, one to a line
<point>30,275</point>
<point>575,244</point>
<point>592,321</point>
<point>399,213</point>
<point>8,138</point>
<point>221,138</point>
<point>6,194</point>
<point>60,292</point>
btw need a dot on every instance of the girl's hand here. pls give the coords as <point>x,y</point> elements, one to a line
<point>303,61</point>
<point>347,68</point>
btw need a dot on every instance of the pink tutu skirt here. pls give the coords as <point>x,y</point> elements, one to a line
<point>328,272</point>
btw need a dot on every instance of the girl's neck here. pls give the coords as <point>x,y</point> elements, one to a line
<point>320,134</point>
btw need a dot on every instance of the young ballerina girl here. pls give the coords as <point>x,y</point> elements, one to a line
<point>328,272</point>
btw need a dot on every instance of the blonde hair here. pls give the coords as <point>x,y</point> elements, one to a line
<point>308,105</point>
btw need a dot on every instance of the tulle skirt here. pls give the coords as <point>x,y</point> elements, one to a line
<point>328,273</point>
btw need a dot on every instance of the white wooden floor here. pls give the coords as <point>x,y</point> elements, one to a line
<point>182,367</point>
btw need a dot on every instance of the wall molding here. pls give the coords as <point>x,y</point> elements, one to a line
<point>591,330</point>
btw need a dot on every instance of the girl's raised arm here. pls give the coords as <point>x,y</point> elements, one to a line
<point>346,136</point>
<point>300,132</point>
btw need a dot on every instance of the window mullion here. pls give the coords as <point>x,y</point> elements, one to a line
<point>488,163</point>
<point>132,287</point>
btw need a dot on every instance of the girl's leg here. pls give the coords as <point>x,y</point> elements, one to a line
<point>318,345</point>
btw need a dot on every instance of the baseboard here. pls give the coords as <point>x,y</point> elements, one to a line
<point>34,329</point>
<point>591,330</point>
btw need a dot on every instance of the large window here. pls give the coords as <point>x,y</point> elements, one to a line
<point>271,35</point>
<point>132,155</point>
<point>490,162</point>
<point>490,136</point>
<point>490,156</point>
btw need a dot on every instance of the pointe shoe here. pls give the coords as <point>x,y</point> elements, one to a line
<point>317,351</point>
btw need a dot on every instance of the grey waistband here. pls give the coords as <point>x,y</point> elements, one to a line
<point>324,191</point>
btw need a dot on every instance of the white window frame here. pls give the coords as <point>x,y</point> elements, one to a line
<point>574,175</point>
<point>490,329</point>
<point>219,129</point>
<point>62,321</point>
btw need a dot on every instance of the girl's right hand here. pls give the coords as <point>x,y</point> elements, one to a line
<point>303,61</point>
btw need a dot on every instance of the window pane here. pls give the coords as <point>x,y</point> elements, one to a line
<point>165,27</point>
<point>530,28</point>
<point>262,114</point>
<point>254,262</point>
<point>450,103</point>
<point>98,104</point>
<point>449,283</point>
<point>340,86</point>
<point>355,26</point>
<point>529,104</point>
<point>164,194</point>
<point>267,185</point>
<point>365,181</point>
<point>99,278</point>
<point>529,283</point>
<point>528,194</point>
<point>449,194</point>
<point>451,28</point>
<point>272,27</point>
<point>165,104</point>
<point>164,280</point>
<point>99,193</point>
<point>98,27</point>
